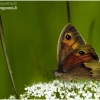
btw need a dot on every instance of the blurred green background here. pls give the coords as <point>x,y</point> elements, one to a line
<point>31,34</point>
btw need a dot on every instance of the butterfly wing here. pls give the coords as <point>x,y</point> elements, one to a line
<point>69,40</point>
<point>78,63</point>
<point>95,66</point>
<point>74,57</point>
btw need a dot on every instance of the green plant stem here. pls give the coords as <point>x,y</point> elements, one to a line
<point>6,56</point>
<point>68,11</point>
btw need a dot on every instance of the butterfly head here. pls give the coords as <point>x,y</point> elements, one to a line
<point>62,75</point>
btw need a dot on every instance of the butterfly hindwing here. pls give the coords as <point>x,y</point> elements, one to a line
<point>83,54</point>
<point>95,66</point>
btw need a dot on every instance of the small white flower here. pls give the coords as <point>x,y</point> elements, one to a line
<point>89,94</point>
<point>12,97</point>
<point>63,90</point>
<point>77,97</point>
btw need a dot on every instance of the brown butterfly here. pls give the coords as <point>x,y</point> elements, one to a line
<point>75,58</point>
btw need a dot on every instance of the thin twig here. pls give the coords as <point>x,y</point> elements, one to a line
<point>6,56</point>
<point>68,11</point>
<point>91,28</point>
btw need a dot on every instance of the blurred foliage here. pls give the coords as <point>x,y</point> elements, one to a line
<point>31,34</point>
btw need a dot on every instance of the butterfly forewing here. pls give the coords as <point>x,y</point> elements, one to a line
<point>69,40</point>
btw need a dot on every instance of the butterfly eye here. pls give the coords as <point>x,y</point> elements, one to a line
<point>68,37</point>
<point>81,52</point>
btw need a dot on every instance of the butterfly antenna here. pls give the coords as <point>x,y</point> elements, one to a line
<point>44,67</point>
<point>6,57</point>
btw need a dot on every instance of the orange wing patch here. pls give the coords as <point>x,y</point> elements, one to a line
<point>75,45</point>
<point>72,42</point>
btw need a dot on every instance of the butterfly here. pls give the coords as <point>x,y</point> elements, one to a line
<point>75,58</point>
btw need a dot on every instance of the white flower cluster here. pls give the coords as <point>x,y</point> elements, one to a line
<point>77,90</point>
